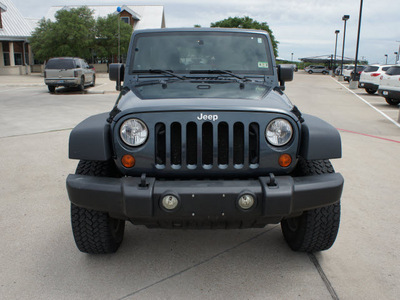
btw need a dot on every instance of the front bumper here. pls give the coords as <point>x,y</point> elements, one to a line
<point>204,200</point>
<point>391,94</point>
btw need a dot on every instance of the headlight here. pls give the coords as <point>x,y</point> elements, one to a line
<point>134,132</point>
<point>279,132</point>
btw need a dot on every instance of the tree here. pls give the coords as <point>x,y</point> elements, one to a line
<point>248,23</point>
<point>106,45</point>
<point>72,34</point>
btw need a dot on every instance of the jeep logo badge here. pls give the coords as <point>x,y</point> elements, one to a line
<point>207,117</point>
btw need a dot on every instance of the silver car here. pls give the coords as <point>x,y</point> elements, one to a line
<point>68,72</point>
<point>316,69</point>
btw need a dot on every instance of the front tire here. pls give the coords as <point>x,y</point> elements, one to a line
<point>392,101</point>
<point>316,229</point>
<point>96,232</point>
<point>51,88</point>
<point>310,72</point>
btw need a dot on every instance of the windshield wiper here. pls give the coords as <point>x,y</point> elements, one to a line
<point>157,71</point>
<point>241,78</point>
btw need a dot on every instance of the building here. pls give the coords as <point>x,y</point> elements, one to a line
<point>15,52</point>
<point>139,16</point>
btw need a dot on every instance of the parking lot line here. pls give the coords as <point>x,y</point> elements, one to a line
<point>366,102</point>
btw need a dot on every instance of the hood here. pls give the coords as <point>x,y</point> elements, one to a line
<point>271,100</point>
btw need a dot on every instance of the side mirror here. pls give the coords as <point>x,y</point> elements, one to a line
<point>116,73</point>
<point>285,73</point>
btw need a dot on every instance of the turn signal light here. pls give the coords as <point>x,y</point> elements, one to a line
<point>285,160</point>
<point>128,161</point>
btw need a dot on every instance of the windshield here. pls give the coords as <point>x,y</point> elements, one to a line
<point>60,63</point>
<point>182,52</point>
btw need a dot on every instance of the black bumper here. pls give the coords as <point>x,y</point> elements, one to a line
<point>204,200</point>
<point>367,85</point>
<point>389,94</point>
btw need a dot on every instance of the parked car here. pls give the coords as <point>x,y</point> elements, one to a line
<point>358,73</point>
<point>347,72</point>
<point>370,77</point>
<point>68,72</point>
<point>190,144</point>
<point>316,69</point>
<point>389,85</point>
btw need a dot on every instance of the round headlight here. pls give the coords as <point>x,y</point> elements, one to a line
<point>134,132</point>
<point>279,132</point>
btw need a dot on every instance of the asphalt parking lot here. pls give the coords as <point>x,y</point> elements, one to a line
<point>39,259</point>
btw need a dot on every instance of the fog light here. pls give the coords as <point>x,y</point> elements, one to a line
<point>246,201</point>
<point>169,202</point>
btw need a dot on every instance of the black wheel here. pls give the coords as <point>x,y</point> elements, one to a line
<point>310,72</point>
<point>316,229</point>
<point>82,84</point>
<point>370,91</point>
<point>52,89</point>
<point>392,101</point>
<point>96,232</point>
<point>324,72</point>
<point>94,80</point>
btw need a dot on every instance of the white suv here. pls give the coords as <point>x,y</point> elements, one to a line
<point>389,86</point>
<point>370,77</point>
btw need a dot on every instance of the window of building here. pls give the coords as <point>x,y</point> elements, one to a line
<point>6,58</point>
<point>18,59</point>
<point>126,20</point>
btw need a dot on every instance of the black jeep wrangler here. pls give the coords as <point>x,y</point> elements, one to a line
<point>202,136</point>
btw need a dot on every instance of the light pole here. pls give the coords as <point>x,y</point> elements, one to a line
<point>334,66</point>
<point>344,18</point>
<point>292,57</point>
<point>386,59</point>
<point>396,57</point>
<point>119,34</point>
<point>354,85</point>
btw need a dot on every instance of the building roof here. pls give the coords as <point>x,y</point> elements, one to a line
<point>327,59</point>
<point>148,16</point>
<point>15,27</point>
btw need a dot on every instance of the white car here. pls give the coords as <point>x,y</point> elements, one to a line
<point>370,77</point>
<point>389,85</point>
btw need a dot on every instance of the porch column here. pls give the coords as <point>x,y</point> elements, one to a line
<point>12,59</point>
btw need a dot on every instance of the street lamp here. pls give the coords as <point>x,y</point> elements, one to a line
<point>334,67</point>
<point>386,58</point>
<point>119,9</point>
<point>344,18</point>
<point>396,57</point>
<point>292,57</point>
<point>354,85</point>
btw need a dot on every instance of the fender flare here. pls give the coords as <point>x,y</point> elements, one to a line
<point>319,139</point>
<point>90,139</point>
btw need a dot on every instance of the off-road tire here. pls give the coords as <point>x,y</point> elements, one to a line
<point>392,101</point>
<point>52,89</point>
<point>371,91</point>
<point>316,229</point>
<point>96,232</point>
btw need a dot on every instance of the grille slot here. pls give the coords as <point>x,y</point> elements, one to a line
<point>207,145</point>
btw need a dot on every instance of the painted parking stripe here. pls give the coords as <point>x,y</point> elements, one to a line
<point>370,105</point>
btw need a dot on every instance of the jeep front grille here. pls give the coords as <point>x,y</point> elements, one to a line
<point>207,145</point>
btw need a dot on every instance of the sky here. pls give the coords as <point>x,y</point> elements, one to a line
<point>302,27</point>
